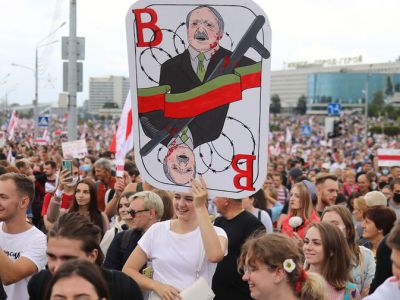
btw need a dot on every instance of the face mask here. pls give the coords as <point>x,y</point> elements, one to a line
<point>382,185</point>
<point>396,197</point>
<point>74,181</point>
<point>85,168</point>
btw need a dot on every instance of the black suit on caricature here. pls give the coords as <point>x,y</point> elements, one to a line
<point>178,73</point>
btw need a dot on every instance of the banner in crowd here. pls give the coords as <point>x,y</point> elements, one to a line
<point>74,149</point>
<point>2,139</point>
<point>389,157</point>
<point>122,142</point>
<point>11,125</point>
<point>199,83</point>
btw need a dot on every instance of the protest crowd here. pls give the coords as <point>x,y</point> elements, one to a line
<point>323,226</point>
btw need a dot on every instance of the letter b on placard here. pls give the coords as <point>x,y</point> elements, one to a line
<point>246,173</point>
<point>152,25</point>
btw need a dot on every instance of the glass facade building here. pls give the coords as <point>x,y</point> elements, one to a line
<point>348,88</point>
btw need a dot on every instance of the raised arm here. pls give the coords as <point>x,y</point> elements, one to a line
<point>214,245</point>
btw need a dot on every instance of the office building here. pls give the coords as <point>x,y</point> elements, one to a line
<point>346,81</point>
<point>111,90</point>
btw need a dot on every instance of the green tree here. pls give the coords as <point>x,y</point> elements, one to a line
<point>275,106</point>
<point>389,87</point>
<point>302,105</point>
<point>377,104</point>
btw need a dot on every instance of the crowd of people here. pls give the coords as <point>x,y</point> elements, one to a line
<point>324,225</point>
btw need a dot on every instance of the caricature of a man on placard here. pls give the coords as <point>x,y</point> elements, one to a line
<point>187,111</point>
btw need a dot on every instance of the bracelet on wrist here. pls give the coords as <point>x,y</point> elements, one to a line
<point>59,193</point>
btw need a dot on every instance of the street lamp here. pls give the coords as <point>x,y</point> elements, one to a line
<point>40,44</point>
<point>366,103</point>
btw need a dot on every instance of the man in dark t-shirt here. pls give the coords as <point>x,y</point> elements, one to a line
<point>383,265</point>
<point>3,295</point>
<point>121,248</point>
<point>238,225</point>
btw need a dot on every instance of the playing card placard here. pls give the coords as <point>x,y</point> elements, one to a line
<point>200,77</point>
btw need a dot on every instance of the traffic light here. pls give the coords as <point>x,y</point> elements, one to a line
<point>337,129</point>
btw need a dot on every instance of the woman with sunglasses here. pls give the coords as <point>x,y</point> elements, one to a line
<point>122,221</point>
<point>180,250</point>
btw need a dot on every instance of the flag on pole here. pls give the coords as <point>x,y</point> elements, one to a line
<point>122,141</point>
<point>10,157</point>
<point>11,125</point>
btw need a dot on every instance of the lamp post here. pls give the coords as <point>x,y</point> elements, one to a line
<point>35,71</point>
<point>366,103</point>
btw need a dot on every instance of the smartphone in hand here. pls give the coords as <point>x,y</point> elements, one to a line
<point>67,165</point>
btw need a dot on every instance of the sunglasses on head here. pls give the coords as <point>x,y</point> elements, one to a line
<point>134,212</point>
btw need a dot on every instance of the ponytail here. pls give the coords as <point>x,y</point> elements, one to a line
<point>314,287</point>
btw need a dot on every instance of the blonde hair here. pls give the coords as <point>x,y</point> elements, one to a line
<point>360,204</point>
<point>314,287</point>
<point>151,201</point>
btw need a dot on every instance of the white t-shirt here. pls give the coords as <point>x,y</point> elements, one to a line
<point>386,291</point>
<point>31,244</point>
<point>176,257</point>
<point>265,219</point>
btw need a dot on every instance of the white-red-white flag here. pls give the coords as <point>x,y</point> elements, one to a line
<point>44,139</point>
<point>11,125</point>
<point>123,139</point>
<point>388,157</point>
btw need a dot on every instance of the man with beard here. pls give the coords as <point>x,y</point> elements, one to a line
<point>50,169</point>
<point>327,191</point>
<point>22,246</point>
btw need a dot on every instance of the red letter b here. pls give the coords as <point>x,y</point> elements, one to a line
<point>150,25</point>
<point>246,173</point>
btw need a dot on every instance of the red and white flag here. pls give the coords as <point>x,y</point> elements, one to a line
<point>44,139</point>
<point>11,125</point>
<point>388,157</point>
<point>122,142</point>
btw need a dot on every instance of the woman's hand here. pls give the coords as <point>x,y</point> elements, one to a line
<point>119,186</point>
<point>199,192</point>
<point>298,239</point>
<point>65,177</point>
<point>167,292</point>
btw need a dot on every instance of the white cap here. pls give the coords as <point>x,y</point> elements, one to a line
<point>375,198</point>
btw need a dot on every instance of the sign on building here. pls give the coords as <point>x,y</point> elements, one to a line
<point>334,109</point>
